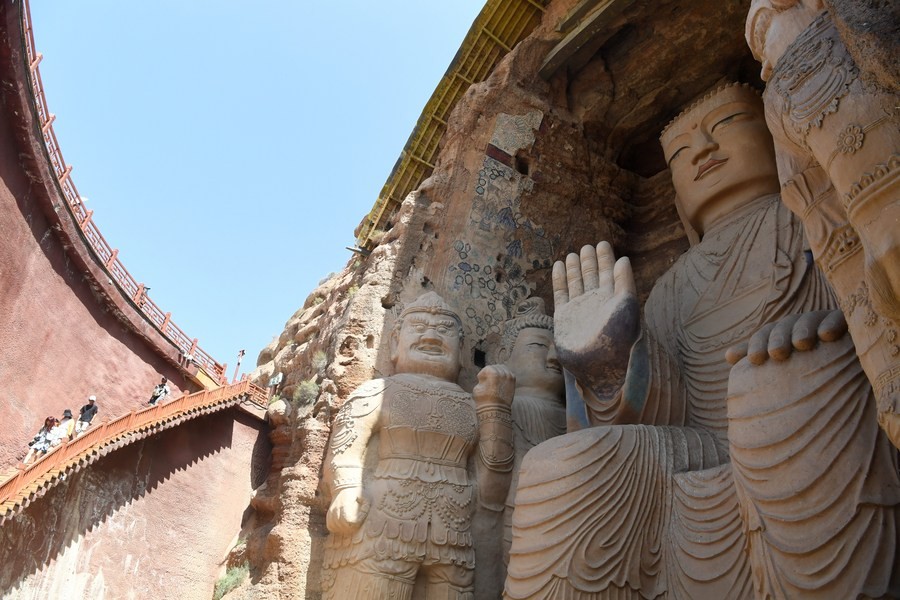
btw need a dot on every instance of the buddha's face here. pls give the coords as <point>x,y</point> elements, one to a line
<point>534,362</point>
<point>428,344</point>
<point>772,25</point>
<point>721,156</point>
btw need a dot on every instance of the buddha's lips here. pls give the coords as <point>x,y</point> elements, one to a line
<point>432,349</point>
<point>713,162</point>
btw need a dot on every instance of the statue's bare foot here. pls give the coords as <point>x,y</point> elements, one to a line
<point>793,333</point>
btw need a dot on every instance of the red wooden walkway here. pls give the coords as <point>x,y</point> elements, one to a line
<point>30,482</point>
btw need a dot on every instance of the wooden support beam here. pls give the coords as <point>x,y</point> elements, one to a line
<point>495,39</point>
<point>595,28</point>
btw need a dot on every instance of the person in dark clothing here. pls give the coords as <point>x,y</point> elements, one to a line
<point>159,392</point>
<point>88,412</point>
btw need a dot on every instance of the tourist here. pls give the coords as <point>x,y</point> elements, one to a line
<point>65,429</point>
<point>159,392</point>
<point>41,441</point>
<point>88,411</point>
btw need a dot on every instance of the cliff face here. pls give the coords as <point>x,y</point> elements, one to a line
<point>152,520</point>
<point>66,331</point>
<point>530,169</point>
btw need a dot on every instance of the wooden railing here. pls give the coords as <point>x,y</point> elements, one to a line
<point>98,436</point>
<point>106,255</point>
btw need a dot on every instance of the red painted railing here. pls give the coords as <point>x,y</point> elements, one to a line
<point>70,452</point>
<point>106,255</point>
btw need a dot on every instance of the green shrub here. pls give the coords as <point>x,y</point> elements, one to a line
<point>306,392</point>
<point>319,360</point>
<point>275,398</point>
<point>233,577</point>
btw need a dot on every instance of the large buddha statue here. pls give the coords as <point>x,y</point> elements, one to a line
<point>397,466</point>
<point>703,480</point>
<point>837,142</point>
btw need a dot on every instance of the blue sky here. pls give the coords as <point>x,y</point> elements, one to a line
<point>229,149</point>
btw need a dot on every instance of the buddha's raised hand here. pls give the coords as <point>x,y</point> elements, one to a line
<point>596,315</point>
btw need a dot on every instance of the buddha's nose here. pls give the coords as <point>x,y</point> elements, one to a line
<point>552,358</point>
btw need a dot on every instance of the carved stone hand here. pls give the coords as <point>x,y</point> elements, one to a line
<point>596,317</point>
<point>347,512</point>
<point>496,385</point>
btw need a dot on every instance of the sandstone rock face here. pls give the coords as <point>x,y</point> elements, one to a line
<point>530,169</point>
<point>869,29</point>
<point>152,520</point>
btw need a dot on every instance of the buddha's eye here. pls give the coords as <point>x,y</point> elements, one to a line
<point>728,120</point>
<point>677,153</point>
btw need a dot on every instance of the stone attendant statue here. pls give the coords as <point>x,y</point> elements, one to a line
<point>837,141</point>
<point>404,511</point>
<point>539,404</point>
<point>769,479</point>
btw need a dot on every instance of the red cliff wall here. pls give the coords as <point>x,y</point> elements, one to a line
<point>151,520</point>
<point>60,340</point>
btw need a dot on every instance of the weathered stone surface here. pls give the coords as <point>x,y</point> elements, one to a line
<point>529,170</point>
<point>869,29</point>
<point>838,140</point>
<point>684,440</point>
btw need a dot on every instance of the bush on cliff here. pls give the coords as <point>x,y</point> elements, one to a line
<point>233,577</point>
<point>306,392</point>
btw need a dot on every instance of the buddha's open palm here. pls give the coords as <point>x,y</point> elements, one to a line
<point>596,314</point>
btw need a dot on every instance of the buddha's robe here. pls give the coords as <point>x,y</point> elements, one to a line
<point>651,510</point>
<point>535,420</point>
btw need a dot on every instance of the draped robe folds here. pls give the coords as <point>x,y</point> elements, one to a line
<point>651,510</point>
<point>535,420</point>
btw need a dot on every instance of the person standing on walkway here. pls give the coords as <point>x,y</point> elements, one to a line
<point>88,411</point>
<point>159,392</point>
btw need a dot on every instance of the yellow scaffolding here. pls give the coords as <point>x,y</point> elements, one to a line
<point>500,25</point>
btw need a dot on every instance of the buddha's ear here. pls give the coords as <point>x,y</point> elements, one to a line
<point>394,345</point>
<point>692,235</point>
<point>502,356</point>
